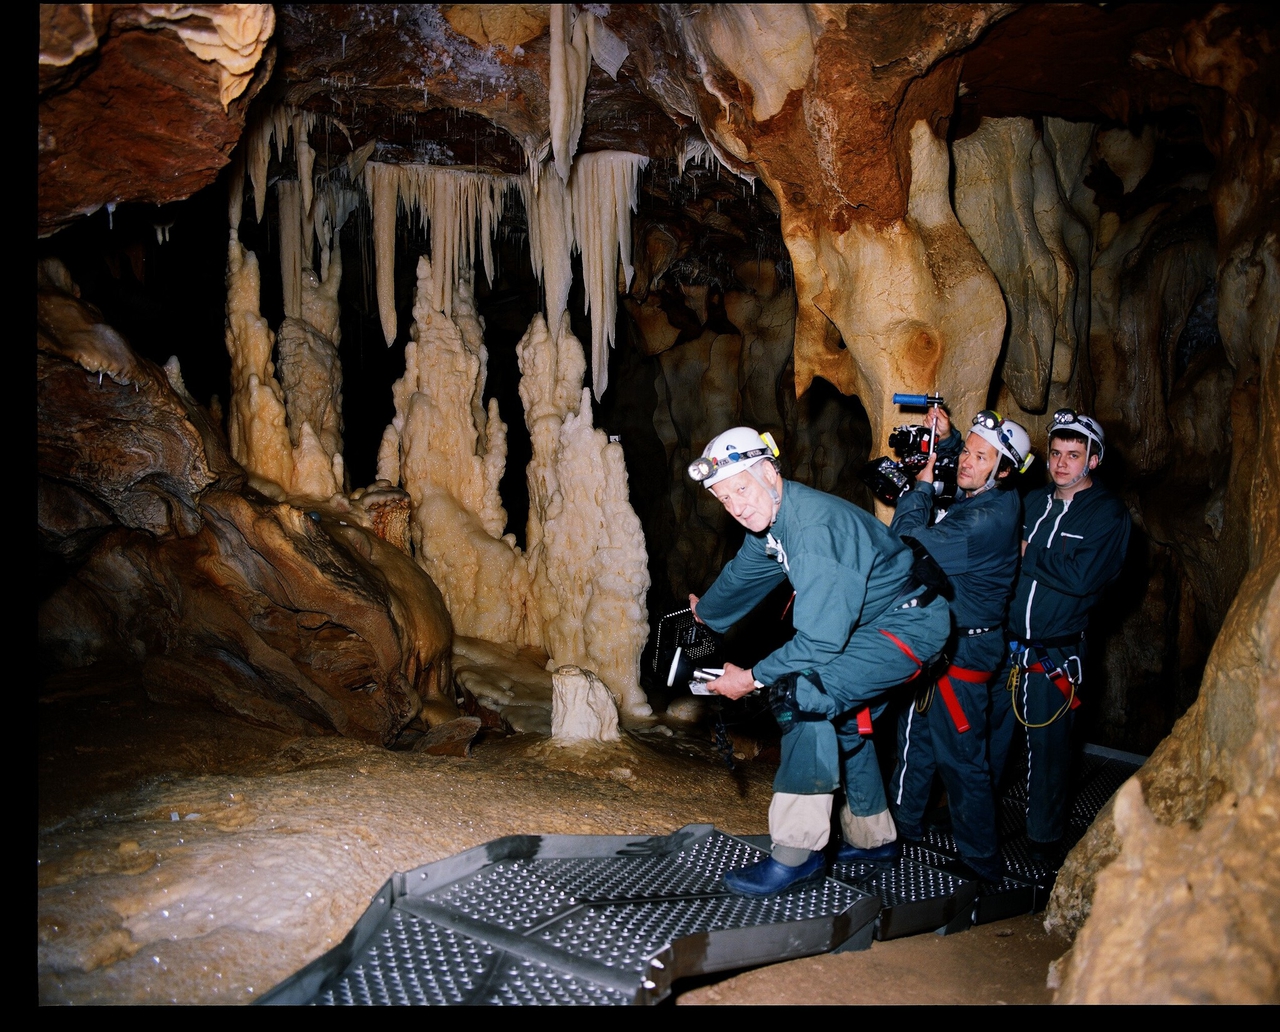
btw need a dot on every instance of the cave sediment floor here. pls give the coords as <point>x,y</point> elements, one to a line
<point>186,857</point>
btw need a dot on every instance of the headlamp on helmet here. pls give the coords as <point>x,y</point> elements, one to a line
<point>1006,436</point>
<point>1069,420</point>
<point>740,447</point>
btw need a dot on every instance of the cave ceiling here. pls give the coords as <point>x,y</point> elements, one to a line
<point>129,113</point>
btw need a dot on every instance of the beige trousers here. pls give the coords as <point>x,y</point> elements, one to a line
<point>803,822</point>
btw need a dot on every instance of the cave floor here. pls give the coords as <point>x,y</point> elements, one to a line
<point>187,857</point>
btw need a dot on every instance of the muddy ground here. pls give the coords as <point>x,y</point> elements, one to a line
<point>186,857</point>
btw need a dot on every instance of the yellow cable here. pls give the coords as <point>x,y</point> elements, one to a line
<point>1012,686</point>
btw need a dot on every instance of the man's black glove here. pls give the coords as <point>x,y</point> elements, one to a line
<point>787,710</point>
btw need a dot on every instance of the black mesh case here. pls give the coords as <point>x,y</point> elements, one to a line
<point>679,630</point>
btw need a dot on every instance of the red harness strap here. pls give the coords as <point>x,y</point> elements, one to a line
<point>1058,677</point>
<point>864,715</point>
<point>949,694</point>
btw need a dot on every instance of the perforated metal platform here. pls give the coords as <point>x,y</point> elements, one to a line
<point>926,891</point>
<point>618,920</point>
<point>573,919</point>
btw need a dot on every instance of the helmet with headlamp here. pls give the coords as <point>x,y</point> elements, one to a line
<point>1007,437</point>
<point>733,451</point>
<point>1067,420</point>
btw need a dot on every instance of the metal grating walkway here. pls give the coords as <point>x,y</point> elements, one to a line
<point>617,920</point>
<point>573,919</point>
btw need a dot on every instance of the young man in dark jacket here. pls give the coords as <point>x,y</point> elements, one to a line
<point>945,730</point>
<point>1075,534</point>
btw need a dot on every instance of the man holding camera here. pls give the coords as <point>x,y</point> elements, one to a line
<point>865,621</point>
<point>975,541</point>
<point>1075,534</point>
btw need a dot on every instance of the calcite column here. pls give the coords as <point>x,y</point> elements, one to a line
<point>450,463</point>
<point>1011,202</point>
<point>586,552</point>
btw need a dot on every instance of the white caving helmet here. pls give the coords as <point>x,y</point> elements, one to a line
<point>733,451</point>
<point>1087,426</point>
<point>1007,437</point>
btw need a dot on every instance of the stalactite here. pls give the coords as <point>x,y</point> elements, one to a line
<point>289,207</point>
<point>570,55</point>
<point>603,194</point>
<point>381,183</point>
<point>550,219</point>
<point>453,205</point>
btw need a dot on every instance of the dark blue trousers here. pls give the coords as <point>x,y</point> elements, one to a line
<point>1043,708</point>
<point>929,744</point>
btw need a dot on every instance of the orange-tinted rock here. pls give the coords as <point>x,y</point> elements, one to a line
<point>139,118</point>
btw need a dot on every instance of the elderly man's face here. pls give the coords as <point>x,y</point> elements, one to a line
<point>746,498</point>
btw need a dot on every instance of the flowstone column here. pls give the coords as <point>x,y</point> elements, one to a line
<point>450,465</point>
<point>586,553</point>
<point>913,306</point>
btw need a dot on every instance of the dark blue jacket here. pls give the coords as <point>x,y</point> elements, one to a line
<point>976,542</point>
<point>1074,549</point>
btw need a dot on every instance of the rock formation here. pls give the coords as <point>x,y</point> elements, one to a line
<point>288,616</point>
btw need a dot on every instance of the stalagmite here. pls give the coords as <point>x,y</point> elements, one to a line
<point>587,558</point>
<point>582,710</point>
<point>451,466</point>
<point>603,194</point>
<point>256,418</point>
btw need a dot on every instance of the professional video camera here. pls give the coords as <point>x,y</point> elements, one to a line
<point>889,480</point>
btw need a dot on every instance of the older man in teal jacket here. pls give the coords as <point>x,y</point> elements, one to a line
<point>864,623</point>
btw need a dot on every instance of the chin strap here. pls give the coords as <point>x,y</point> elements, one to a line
<point>775,495</point>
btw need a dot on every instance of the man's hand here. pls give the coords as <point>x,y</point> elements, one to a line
<point>1024,548</point>
<point>734,684</point>
<point>925,476</point>
<point>941,423</point>
<point>693,607</point>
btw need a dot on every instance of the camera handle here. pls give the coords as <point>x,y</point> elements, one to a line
<point>924,401</point>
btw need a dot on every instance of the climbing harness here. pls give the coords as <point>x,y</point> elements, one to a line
<point>948,693</point>
<point>863,715</point>
<point>1061,679</point>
